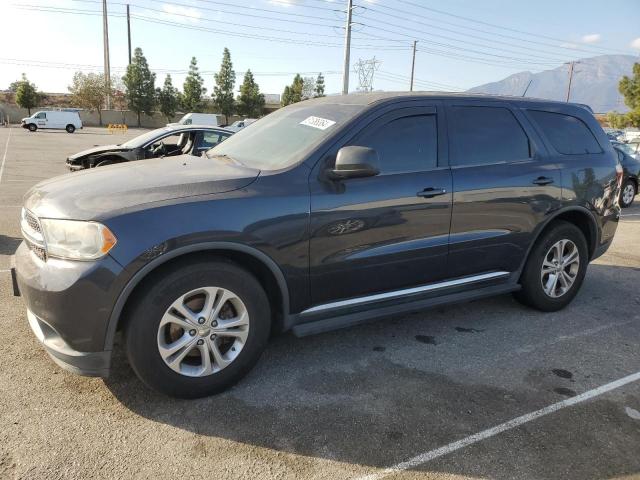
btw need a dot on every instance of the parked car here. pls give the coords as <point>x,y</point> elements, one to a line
<point>162,142</point>
<point>324,214</point>
<point>240,124</point>
<point>630,135</point>
<point>209,119</point>
<point>53,119</point>
<point>630,180</point>
<point>628,148</point>
<point>613,134</point>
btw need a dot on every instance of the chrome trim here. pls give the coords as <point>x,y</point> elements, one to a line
<point>405,292</point>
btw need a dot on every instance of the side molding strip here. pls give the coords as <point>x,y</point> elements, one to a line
<point>406,292</point>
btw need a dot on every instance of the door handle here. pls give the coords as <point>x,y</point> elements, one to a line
<point>543,181</point>
<point>431,192</point>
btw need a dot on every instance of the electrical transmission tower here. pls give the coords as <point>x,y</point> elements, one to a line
<point>365,70</point>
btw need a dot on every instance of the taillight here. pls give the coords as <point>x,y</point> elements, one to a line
<point>619,174</point>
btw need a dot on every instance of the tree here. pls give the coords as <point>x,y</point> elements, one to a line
<point>293,93</point>
<point>223,90</point>
<point>168,98</point>
<point>89,91</point>
<point>139,83</point>
<point>308,87</point>
<point>251,101</point>
<point>629,87</point>
<point>193,89</point>
<point>319,91</point>
<point>27,95</point>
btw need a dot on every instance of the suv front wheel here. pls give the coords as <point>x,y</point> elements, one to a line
<point>198,329</point>
<point>555,269</point>
<point>627,193</point>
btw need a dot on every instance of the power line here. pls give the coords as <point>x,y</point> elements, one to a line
<point>455,47</point>
<point>286,40</point>
<point>442,12</point>
<point>527,49</point>
<point>216,10</point>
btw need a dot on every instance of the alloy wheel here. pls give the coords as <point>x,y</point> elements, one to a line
<point>628,193</point>
<point>203,331</point>
<point>560,268</point>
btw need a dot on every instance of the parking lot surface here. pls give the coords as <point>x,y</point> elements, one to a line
<point>389,399</point>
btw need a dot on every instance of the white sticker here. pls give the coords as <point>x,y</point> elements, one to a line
<point>317,122</point>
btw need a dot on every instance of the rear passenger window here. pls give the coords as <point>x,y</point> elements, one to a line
<point>487,135</point>
<point>407,144</point>
<point>569,135</point>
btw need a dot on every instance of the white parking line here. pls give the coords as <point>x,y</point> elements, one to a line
<point>516,422</point>
<point>4,157</point>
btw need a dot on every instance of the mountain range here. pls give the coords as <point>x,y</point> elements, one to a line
<point>595,83</point>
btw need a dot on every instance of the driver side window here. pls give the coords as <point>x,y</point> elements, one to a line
<point>404,145</point>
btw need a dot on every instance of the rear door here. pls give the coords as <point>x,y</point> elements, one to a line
<point>503,182</point>
<point>390,231</point>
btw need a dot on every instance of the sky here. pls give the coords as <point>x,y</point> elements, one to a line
<point>460,43</point>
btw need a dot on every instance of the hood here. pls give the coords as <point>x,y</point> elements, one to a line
<point>99,149</point>
<point>90,194</point>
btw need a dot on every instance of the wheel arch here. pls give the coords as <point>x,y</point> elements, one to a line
<point>578,216</point>
<point>255,261</point>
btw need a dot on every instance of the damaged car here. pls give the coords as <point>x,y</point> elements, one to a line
<point>163,142</point>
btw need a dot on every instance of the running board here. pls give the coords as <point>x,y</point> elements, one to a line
<point>351,319</point>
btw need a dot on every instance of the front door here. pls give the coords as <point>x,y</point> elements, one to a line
<point>390,231</point>
<point>504,185</point>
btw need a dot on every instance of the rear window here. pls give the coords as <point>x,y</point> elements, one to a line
<point>484,135</point>
<point>569,135</point>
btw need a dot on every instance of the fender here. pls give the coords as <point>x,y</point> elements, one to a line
<point>541,227</point>
<point>198,247</point>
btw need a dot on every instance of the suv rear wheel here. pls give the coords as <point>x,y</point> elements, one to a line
<point>198,330</point>
<point>555,269</point>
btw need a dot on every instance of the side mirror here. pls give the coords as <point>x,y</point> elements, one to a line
<point>355,162</point>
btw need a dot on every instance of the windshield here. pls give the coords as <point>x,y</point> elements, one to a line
<point>284,137</point>
<point>146,137</point>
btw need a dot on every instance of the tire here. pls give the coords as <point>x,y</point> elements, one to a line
<point>533,291</point>
<point>627,193</point>
<point>145,333</point>
<point>33,127</point>
<point>70,128</point>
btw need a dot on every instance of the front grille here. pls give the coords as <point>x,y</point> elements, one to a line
<point>32,222</point>
<point>40,252</point>
<point>32,233</point>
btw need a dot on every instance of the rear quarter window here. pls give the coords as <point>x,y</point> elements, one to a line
<point>568,134</point>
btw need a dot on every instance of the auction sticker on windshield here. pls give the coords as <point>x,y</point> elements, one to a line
<point>317,122</point>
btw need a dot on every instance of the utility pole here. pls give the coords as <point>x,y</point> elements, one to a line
<point>347,49</point>
<point>413,64</point>
<point>571,66</point>
<point>129,32</point>
<point>105,39</point>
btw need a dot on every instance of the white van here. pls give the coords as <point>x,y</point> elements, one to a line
<point>209,119</point>
<point>54,119</point>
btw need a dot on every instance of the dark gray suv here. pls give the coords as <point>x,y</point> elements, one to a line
<point>322,215</point>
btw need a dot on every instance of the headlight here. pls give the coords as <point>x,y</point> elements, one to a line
<point>76,240</point>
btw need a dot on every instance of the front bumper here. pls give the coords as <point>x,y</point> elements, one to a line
<point>69,304</point>
<point>92,364</point>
